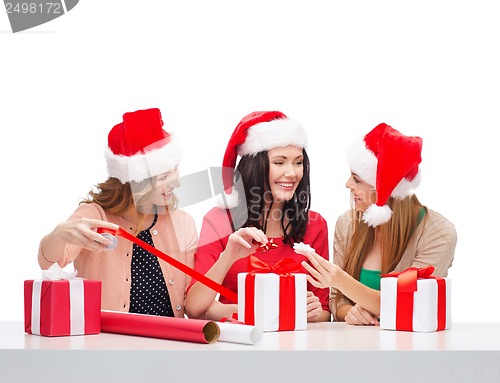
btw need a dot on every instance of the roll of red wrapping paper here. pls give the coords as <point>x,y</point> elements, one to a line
<point>154,326</point>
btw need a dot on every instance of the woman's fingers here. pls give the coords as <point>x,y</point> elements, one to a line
<point>314,308</point>
<point>319,262</point>
<point>239,240</point>
<point>242,242</point>
<point>83,232</point>
<point>357,315</point>
<point>254,233</point>
<point>351,319</point>
<point>311,270</point>
<point>95,223</point>
<point>365,315</point>
<point>361,316</point>
<point>247,235</point>
<point>314,282</point>
<point>354,318</point>
<point>314,267</point>
<point>321,274</point>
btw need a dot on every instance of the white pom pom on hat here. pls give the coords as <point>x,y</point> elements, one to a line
<point>387,160</point>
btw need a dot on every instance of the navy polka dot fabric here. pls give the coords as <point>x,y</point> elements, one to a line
<point>148,294</point>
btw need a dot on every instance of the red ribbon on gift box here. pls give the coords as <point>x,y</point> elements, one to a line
<point>283,268</point>
<point>406,287</point>
<point>232,296</point>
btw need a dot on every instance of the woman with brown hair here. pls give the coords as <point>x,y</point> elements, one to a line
<point>142,160</point>
<point>387,228</point>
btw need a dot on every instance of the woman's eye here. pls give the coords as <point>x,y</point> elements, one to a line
<point>162,178</point>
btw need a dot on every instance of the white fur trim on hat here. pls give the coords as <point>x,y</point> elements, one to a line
<point>144,165</point>
<point>376,215</point>
<point>276,133</point>
<point>227,201</point>
<point>406,187</point>
<point>362,162</point>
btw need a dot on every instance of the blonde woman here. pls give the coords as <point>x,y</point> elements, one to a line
<point>386,230</point>
<point>142,161</point>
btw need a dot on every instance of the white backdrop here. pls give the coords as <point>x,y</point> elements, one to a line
<point>427,68</point>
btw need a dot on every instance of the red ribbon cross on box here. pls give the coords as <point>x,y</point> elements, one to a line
<point>406,288</point>
<point>284,268</point>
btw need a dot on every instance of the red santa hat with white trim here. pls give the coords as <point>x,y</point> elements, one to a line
<point>139,148</point>
<point>387,160</point>
<point>255,133</point>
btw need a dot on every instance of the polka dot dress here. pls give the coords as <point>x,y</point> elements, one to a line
<point>148,294</point>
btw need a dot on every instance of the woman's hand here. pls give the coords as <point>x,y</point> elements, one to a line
<point>357,315</point>
<point>321,272</point>
<point>314,308</point>
<point>82,232</point>
<point>244,242</point>
<point>218,311</point>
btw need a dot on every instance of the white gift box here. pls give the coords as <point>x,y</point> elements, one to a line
<point>267,301</point>
<point>426,301</point>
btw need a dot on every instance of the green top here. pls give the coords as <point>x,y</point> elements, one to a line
<point>371,278</point>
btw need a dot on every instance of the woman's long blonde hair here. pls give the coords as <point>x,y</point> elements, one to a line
<point>394,236</point>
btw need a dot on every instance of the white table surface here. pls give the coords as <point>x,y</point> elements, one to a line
<point>329,352</point>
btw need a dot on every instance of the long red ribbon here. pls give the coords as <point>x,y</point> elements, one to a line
<point>283,268</point>
<point>232,296</point>
<point>406,287</point>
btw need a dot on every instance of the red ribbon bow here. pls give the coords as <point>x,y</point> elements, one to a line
<point>422,272</point>
<point>283,267</point>
<point>406,287</point>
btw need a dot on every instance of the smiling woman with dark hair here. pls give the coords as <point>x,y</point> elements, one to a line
<point>293,216</point>
<point>266,204</point>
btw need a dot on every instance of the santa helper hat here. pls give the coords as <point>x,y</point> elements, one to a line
<point>139,147</point>
<point>387,160</point>
<point>255,133</point>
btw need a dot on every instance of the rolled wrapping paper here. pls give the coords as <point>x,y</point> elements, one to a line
<point>153,326</point>
<point>239,333</point>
